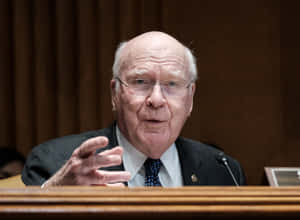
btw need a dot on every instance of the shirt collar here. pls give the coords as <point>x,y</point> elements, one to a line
<point>133,159</point>
<point>168,159</point>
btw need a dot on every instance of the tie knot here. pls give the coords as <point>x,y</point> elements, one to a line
<point>152,166</point>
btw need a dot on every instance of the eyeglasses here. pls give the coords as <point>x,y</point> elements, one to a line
<point>144,86</point>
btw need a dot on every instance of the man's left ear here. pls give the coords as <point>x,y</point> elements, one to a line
<point>193,89</point>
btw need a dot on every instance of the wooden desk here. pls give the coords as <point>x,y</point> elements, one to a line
<point>150,203</point>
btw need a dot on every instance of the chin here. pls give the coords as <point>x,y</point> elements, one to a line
<point>155,134</point>
<point>156,142</point>
<point>155,128</point>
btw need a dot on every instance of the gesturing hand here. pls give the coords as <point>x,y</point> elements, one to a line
<point>82,167</point>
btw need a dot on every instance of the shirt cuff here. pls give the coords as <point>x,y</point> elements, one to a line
<point>43,185</point>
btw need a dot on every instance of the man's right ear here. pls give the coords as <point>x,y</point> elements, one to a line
<point>113,85</point>
<point>113,105</point>
<point>113,93</point>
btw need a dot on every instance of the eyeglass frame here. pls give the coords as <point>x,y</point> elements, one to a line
<point>161,87</point>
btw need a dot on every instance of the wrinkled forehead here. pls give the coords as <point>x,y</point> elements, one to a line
<point>158,54</point>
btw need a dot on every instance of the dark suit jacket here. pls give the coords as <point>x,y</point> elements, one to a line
<point>196,159</point>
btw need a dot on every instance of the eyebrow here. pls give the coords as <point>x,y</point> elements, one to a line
<point>176,72</point>
<point>143,72</point>
<point>138,71</point>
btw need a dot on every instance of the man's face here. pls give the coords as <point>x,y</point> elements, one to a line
<point>153,121</point>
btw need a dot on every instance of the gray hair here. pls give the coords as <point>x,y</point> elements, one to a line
<point>188,53</point>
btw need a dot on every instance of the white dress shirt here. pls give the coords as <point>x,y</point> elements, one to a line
<point>133,161</point>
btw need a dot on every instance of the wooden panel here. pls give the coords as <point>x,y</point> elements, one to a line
<point>45,86</point>
<point>148,203</point>
<point>24,80</point>
<point>129,19</point>
<point>87,58</point>
<point>67,73</point>
<point>7,135</point>
<point>287,154</point>
<point>12,182</point>
<point>290,67</point>
<point>151,15</point>
<point>108,40</point>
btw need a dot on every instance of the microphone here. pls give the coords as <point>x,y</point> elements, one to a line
<point>221,158</point>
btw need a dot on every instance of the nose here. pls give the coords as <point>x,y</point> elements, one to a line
<point>156,98</point>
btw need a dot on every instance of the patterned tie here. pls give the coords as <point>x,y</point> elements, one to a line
<point>152,167</point>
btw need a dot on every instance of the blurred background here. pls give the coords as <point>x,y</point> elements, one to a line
<point>56,58</point>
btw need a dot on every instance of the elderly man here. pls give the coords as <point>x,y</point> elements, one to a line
<point>152,94</point>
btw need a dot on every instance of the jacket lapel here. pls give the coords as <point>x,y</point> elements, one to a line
<point>191,163</point>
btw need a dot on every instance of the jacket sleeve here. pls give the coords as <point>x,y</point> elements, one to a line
<point>47,158</point>
<point>39,166</point>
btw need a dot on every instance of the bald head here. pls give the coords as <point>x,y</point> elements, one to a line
<point>157,43</point>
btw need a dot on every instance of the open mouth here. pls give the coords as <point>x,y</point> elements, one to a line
<point>154,125</point>
<point>154,121</point>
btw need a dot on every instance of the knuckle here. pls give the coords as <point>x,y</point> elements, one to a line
<point>74,164</point>
<point>76,152</point>
<point>91,162</point>
<point>119,160</point>
<point>102,178</point>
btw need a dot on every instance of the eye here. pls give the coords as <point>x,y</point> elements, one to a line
<point>172,84</point>
<point>140,81</point>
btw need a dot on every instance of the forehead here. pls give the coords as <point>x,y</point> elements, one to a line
<point>154,53</point>
<point>159,62</point>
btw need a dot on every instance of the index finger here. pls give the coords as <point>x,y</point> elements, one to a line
<point>90,146</point>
